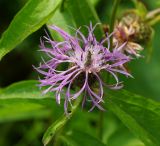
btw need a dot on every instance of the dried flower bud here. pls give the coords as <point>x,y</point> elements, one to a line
<point>133,30</point>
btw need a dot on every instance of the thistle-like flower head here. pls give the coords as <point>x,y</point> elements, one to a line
<point>87,58</point>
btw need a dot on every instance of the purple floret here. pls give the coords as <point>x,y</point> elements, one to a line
<point>86,57</point>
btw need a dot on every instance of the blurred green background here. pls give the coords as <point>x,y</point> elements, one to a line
<point>17,66</point>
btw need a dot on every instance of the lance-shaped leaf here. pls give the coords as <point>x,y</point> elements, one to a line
<point>141,115</point>
<point>63,19</point>
<point>24,100</point>
<point>76,13</point>
<point>29,19</point>
<point>59,123</point>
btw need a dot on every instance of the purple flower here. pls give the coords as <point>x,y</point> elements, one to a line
<point>87,59</point>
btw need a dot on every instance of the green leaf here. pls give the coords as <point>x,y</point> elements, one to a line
<point>62,19</point>
<point>89,120</point>
<point>83,13</point>
<point>82,8</point>
<point>54,128</point>
<point>77,138</point>
<point>24,89</point>
<point>116,133</point>
<point>141,115</point>
<point>29,19</point>
<point>24,100</point>
<point>73,13</point>
<point>59,123</point>
<point>21,109</point>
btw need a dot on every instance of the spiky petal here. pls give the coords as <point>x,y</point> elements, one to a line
<point>87,57</point>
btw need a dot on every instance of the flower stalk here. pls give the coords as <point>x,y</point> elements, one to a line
<point>57,126</point>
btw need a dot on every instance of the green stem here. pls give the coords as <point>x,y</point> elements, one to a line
<point>113,17</point>
<point>57,126</point>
